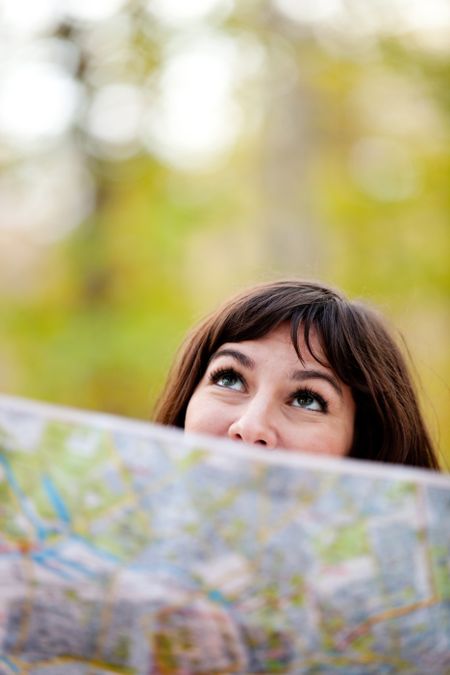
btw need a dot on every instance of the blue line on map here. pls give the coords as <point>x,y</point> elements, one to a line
<point>45,553</point>
<point>51,560</point>
<point>41,530</point>
<point>78,567</point>
<point>216,596</point>
<point>57,553</point>
<point>98,551</point>
<point>55,570</point>
<point>51,555</point>
<point>9,663</point>
<point>56,500</point>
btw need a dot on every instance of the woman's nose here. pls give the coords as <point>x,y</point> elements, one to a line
<point>254,425</point>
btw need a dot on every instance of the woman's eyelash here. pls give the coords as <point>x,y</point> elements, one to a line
<point>314,395</point>
<point>216,375</point>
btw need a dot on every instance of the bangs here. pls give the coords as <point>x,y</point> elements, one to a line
<point>302,322</point>
<point>256,317</point>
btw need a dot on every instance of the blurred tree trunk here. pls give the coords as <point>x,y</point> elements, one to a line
<point>290,230</point>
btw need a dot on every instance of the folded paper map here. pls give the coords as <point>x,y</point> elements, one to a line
<point>135,549</point>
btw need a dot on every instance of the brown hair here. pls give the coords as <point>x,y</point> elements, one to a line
<point>358,347</point>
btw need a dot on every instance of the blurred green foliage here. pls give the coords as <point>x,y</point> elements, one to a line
<point>339,172</point>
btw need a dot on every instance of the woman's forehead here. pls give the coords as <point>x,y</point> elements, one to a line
<point>279,342</point>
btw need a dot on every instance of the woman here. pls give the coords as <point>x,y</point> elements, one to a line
<point>295,364</point>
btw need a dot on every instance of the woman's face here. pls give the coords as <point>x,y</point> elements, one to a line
<point>259,392</point>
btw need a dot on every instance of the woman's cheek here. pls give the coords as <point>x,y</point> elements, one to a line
<point>204,414</point>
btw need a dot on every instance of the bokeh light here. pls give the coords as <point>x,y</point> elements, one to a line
<point>86,10</point>
<point>178,13</point>
<point>193,117</point>
<point>44,90</point>
<point>114,117</point>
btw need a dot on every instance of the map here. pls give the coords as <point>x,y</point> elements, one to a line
<point>131,548</point>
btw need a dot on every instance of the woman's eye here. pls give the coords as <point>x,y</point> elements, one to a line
<point>309,401</point>
<point>228,379</point>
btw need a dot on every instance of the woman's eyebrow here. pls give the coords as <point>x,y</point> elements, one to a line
<point>302,375</point>
<point>244,360</point>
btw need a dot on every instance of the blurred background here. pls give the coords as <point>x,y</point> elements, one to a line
<point>157,155</point>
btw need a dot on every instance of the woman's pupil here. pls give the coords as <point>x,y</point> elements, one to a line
<point>229,379</point>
